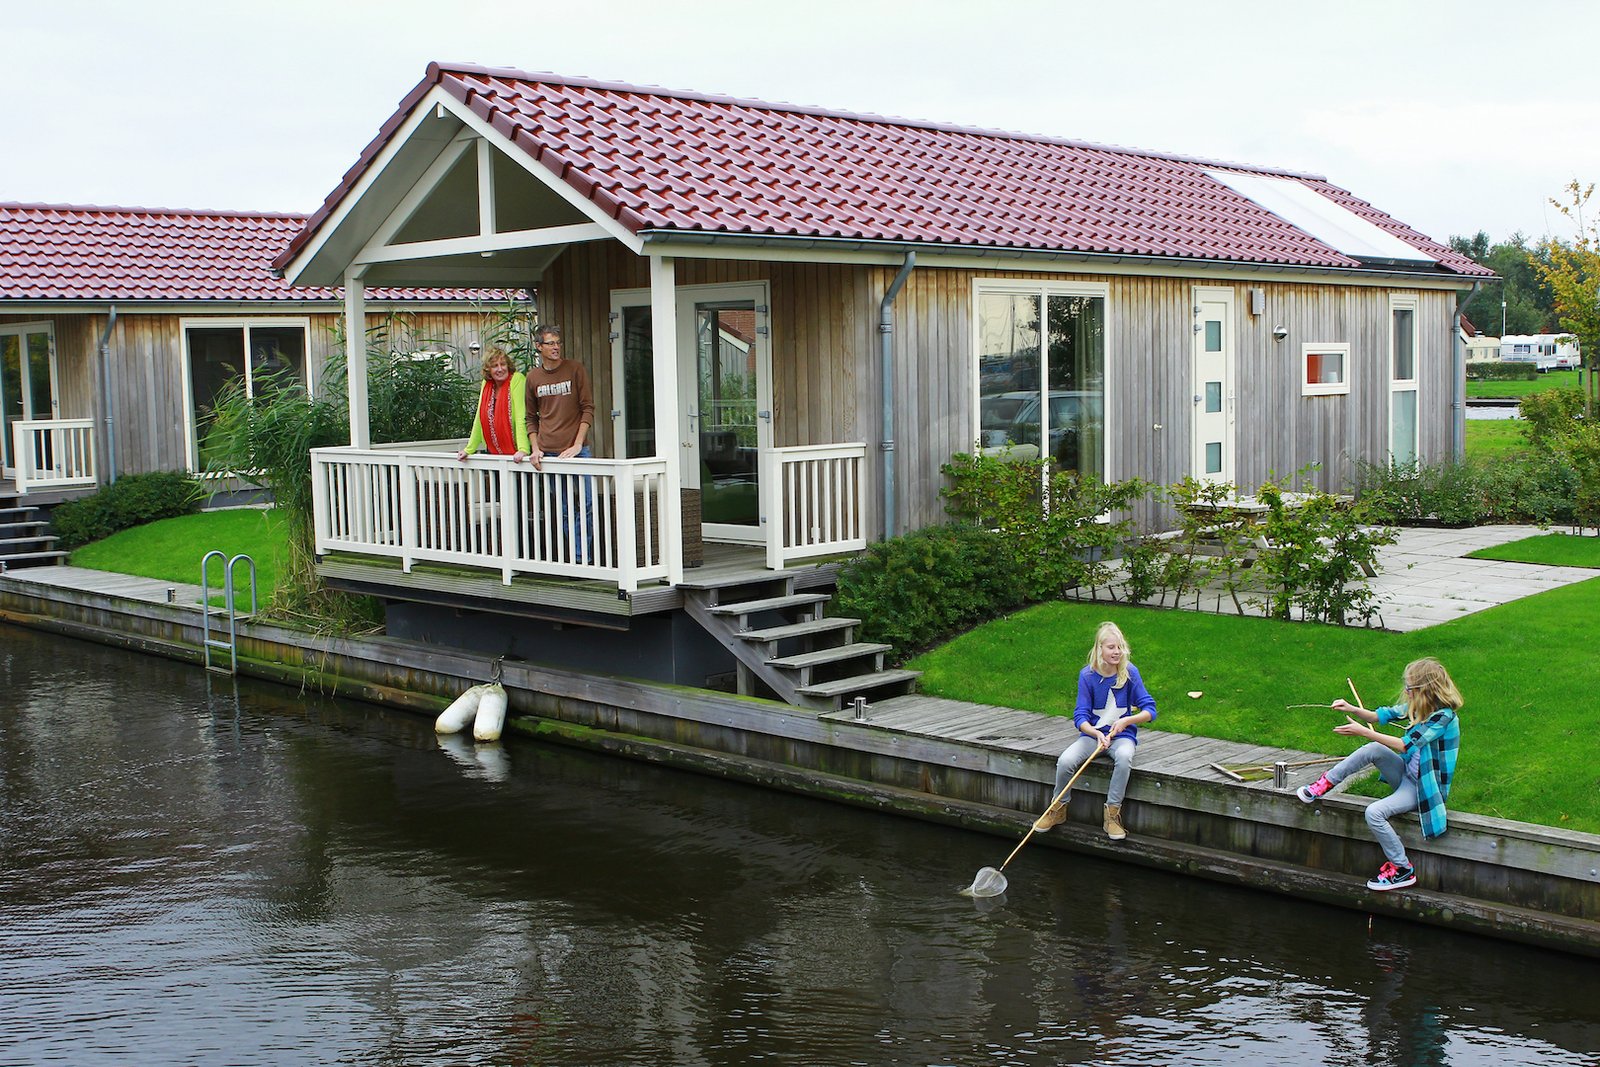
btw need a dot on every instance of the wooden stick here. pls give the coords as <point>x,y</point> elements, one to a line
<point>1236,777</point>
<point>1355,694</point>
<point>1064,790</point>
<point>1308,705</point>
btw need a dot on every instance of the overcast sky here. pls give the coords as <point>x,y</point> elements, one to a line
<point>1453,117</point>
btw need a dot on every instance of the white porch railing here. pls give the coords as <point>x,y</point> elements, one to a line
<point>53,453</point>
<point>488,511</point>
<point>814,501</point>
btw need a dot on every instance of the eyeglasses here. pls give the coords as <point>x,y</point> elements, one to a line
<point>546,344</point>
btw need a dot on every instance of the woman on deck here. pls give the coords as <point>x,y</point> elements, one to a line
<point>501,424</point>
<point>1112,702</point>
<point>1417,765</point>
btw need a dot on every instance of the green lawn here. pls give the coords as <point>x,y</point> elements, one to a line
<point>1493,438</point>
<point>171,549</point>
<point>1525,670</point>
<point>1551,549</point>
<point>1556,379</point>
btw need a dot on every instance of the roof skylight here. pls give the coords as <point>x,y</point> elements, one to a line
<point>1335,226</point>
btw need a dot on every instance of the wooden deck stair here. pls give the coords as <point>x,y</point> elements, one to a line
<point>781,640</point>
<point>23,540</point>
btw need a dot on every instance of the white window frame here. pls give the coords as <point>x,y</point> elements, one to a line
<point>1044,290</point>
<point>1404,385</point>
<point>1338,388</point>
<point>191,445</point>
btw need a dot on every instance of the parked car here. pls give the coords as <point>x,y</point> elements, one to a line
<point>1071,412</point>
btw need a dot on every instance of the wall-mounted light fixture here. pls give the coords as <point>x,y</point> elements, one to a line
<point>1280,332</point>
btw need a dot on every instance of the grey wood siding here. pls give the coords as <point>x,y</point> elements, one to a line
<point>826,367</point>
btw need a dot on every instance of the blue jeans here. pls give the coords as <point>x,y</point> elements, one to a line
<point>1080,750</point>
<point>1392,769</point>
<point>578,532</point>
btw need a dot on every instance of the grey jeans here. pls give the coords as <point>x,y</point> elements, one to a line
<point>1392,769</point>
<point>1080,750</point>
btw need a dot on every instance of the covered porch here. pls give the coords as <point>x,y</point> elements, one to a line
<point>692,447</point>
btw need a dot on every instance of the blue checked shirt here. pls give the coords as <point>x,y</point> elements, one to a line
<point>1435,740</point>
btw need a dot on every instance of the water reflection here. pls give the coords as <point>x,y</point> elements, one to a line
<point>202,872</point>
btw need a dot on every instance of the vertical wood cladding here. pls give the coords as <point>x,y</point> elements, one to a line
<point>826,367</point>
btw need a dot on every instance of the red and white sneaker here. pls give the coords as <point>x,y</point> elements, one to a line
<point>1392,876</point>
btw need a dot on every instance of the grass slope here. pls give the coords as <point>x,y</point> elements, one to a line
<point>1527,727</point>
<point>171,549</point>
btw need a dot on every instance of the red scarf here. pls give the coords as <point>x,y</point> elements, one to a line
<point>494,415</point>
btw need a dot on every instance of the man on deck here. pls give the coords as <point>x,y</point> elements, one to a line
<point>560,412</point>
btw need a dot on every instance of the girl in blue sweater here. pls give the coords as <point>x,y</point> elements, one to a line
<point>1112,702</point>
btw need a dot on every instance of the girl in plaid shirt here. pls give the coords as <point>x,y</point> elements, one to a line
<point>1418,764</point>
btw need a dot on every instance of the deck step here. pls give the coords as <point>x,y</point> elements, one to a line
<point>25,524</point>
<point>775,603</point>
<point>11,542</point>
<point>7,514</point>
<point>809,628</point>
<point>829,655</point>
<point>858,684</point>
<point>27,558</point>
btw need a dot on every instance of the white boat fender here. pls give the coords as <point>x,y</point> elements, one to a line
<point>491,714</point>
<point>454,719</point>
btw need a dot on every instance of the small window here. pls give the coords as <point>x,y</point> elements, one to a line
<point>1325,369</point>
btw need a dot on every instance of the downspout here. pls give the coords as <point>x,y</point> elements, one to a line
<point>107,397</point>
<point>1458,399</point>
<point>886,345</point>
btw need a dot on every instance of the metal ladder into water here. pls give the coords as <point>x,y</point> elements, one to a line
<point>231,645</point>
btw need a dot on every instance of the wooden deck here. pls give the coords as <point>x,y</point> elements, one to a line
<point>539,597</point>
<point>1030,734</point>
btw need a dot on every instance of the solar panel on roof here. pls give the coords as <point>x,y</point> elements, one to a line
<point>1333,224</point>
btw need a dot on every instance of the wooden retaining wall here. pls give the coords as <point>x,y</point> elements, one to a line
<point>1503,879</point>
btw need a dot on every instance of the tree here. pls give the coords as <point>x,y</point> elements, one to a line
<point>1572,271</point>
<point>1529,301</point>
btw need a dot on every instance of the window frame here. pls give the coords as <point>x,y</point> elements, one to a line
<point>1044,289</point>
<point>1314,348</point>
<point>191,443</point>
<point>1412,384</point>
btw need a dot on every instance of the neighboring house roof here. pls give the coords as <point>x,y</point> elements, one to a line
<point>681,162</point>
<point>67,252</point>
<point>1467,327</point>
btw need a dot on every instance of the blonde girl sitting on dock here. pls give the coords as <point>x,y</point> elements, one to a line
<point>1112,702</point>
<point>1418,764</point>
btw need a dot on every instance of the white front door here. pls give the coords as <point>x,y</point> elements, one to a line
<point>1213,371</point>
<point>27,380</point>
<point>725,401</point>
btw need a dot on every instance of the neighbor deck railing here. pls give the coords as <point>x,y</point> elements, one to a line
<point>425,505</point>
<point>814,501</point>
<point>53,453</point>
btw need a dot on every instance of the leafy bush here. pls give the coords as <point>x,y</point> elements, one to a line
<point>1550,414</point>
<point>132,500</point>
<point>1496,371</point>
<point>1534,486</point>
<point>915,590</point>
<point>1319,549</point>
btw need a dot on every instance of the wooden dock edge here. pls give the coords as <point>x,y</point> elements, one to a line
<point>1516,881</point>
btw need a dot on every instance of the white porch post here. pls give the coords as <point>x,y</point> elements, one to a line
<point>355,352</point>
<point>669,427</point>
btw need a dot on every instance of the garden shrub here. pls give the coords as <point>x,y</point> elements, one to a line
<point>132,500</point>
<point>1496,371</point>
<point>1534,486</point>
<point>1319,547</point>
<point>1550,414</point>
<point>918,589</point>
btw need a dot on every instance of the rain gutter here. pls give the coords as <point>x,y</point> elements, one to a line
<point>886,346</point>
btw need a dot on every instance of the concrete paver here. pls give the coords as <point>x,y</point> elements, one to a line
<point>1425,578</point>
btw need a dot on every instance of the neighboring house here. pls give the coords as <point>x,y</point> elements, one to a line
<point>915,289</point>
<point>1480,348</point>
<point>153,311</point>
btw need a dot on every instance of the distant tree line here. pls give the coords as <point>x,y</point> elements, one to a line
<point>1530,302</point>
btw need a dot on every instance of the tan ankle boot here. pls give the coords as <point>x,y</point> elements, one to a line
<point>1113,822</point>
<point>1054,815</point>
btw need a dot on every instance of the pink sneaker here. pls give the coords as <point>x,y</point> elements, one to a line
<point>1314,791</point>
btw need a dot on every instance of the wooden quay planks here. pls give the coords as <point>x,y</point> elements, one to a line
<point>1030,733</point>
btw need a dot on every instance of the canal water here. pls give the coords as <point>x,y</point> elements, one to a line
<point>198,871</point>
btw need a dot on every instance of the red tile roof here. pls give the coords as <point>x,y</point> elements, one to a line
<point>654,159</point>
<point>64,252</point>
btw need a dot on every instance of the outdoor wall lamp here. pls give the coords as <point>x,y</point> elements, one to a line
<point>1280,332</point>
